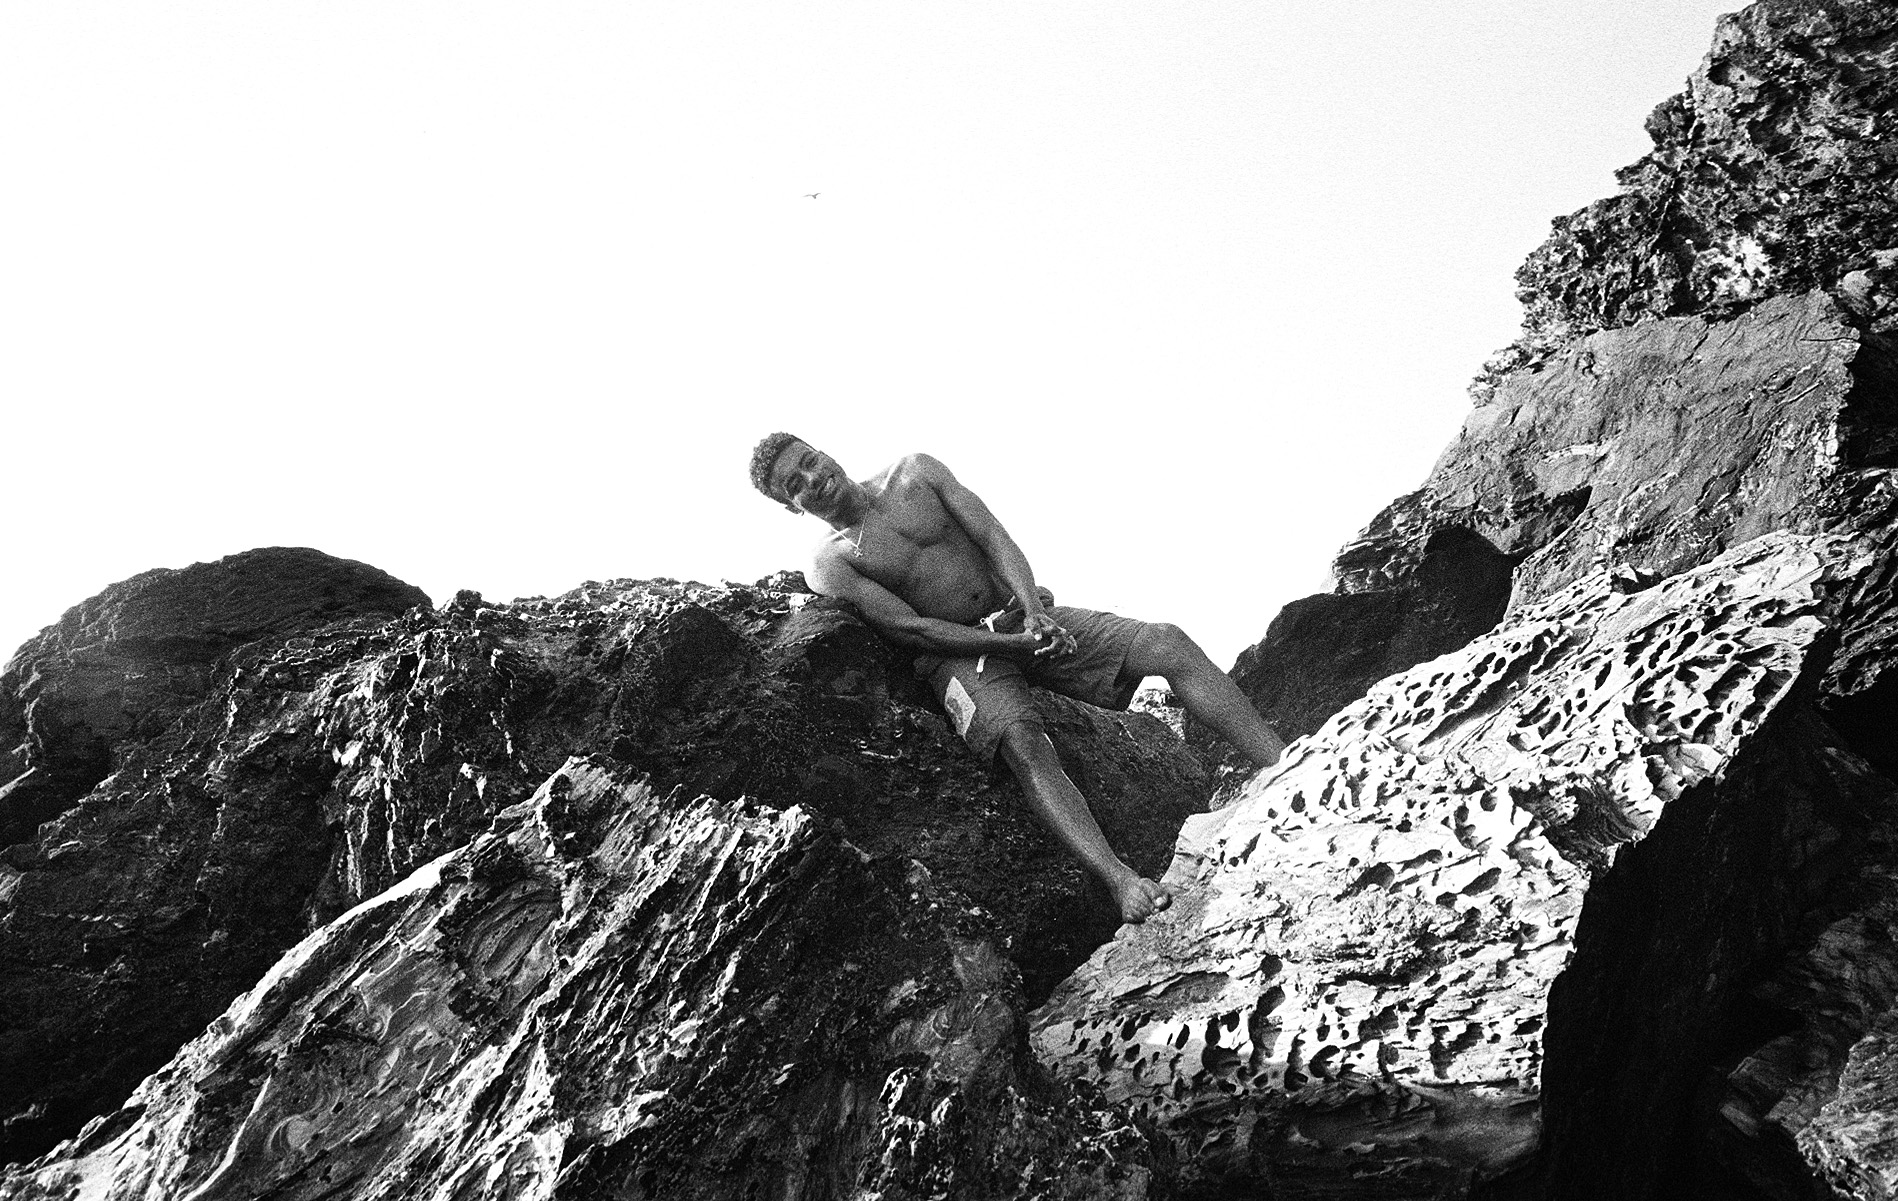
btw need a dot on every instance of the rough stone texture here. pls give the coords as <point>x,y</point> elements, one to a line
<point>122,665</point>
<point>1655,448</point>
<point>1350,999</point>
<point>1647,450</point>
<point>1772,173</point>
<point>322,769</point>
<point>1671,1071</point>
<point>611,994</point>
<point>1852,1139</point>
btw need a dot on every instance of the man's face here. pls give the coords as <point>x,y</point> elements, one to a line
<point>808,480</point>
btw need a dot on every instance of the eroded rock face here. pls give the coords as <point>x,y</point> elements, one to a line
<point>1350,999</point>
<point>1649,450</point>
<point>613,994</point>
<point>1707,359</point>
<point>1655,448</point>
<point>323,768</point>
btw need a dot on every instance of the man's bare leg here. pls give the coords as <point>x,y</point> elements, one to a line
<point>1061,807</point>
<point>1205,691</point>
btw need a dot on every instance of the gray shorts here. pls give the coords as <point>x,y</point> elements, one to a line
<point>983,696</point>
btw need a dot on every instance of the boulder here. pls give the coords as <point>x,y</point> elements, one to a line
<point>1647,450</point>
<point>324,769</point>
<point>119,667</point>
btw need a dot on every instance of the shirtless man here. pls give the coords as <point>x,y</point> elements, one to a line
<point>933,570</point>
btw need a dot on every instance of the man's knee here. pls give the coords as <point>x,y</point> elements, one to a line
<point>1164,649</point>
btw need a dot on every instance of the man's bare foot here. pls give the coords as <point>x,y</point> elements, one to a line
<point>1139,898</point>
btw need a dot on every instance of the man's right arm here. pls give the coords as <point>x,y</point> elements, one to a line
<point>895,620</point>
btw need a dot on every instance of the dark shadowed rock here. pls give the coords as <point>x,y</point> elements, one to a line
<point>1322,652</point>
<point>120,667</point>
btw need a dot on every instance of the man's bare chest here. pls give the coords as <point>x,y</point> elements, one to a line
<point>891,545</point>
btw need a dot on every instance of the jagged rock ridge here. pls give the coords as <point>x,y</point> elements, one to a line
<point>1771,174</point>
<point>120,667</point>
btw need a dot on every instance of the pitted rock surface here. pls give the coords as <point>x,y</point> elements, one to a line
<point>323,768</point>
<point>1352,983</point>
<point>613,994</point>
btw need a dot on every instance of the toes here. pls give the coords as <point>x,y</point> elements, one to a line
<point>1142,900</point>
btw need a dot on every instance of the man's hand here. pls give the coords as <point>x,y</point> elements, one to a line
<point>1050,638</point>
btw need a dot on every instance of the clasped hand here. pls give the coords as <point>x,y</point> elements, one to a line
<point>1049,637</point>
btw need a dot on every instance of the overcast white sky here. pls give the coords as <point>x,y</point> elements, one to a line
<point>499,296</point>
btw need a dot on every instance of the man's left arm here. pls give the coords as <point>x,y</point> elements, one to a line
<point>1003,553</point>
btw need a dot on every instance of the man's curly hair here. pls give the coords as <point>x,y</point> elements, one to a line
<point>764,457</point>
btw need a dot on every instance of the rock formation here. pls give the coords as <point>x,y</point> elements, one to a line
<point>1628,792</point>
<point>1771,175</point>
<point>1765,219</point>
<point>323,765</point>
<point>613,993</point>
<point>119,667</point>
<point>1705,378</point>
<point>1581,883</point>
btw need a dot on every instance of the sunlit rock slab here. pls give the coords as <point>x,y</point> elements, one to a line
<point>614,994</point>
<point>1352,983</point>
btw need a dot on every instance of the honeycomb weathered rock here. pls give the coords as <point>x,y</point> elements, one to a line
<point>1353,982</point>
